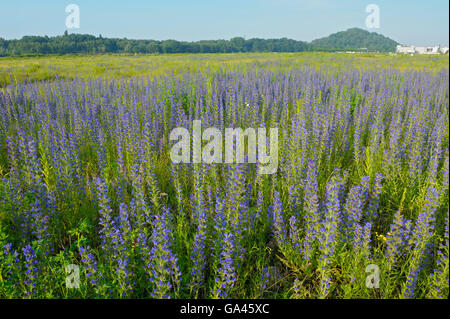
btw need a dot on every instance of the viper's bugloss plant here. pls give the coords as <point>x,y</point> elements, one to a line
<point>31,271</point>
<point>421,236</point>
<point>87,178</point>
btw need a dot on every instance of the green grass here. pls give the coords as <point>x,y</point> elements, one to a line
<point>19,69</point>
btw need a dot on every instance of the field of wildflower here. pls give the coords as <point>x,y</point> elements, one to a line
<point>358,207</point>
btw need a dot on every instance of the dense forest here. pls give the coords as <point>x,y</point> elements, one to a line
<point>352,39</point>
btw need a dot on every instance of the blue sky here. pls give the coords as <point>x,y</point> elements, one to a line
<point>424,22</point>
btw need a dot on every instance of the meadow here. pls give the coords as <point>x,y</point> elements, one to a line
<point>358,207</point>
<point>52,67</point>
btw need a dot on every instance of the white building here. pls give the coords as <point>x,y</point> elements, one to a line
<point>411,49</point>
<point>405,49</point>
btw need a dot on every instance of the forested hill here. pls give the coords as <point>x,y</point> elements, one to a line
<point>88,44</point>
<point>354,39</point>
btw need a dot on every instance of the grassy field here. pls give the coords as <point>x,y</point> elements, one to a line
<point>361,188</point>
<point>48,68</point>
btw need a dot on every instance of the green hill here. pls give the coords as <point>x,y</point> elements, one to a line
<point>354,39</point>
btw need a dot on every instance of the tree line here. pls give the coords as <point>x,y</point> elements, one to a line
<point>88,44</point>
<point>352,39</point>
